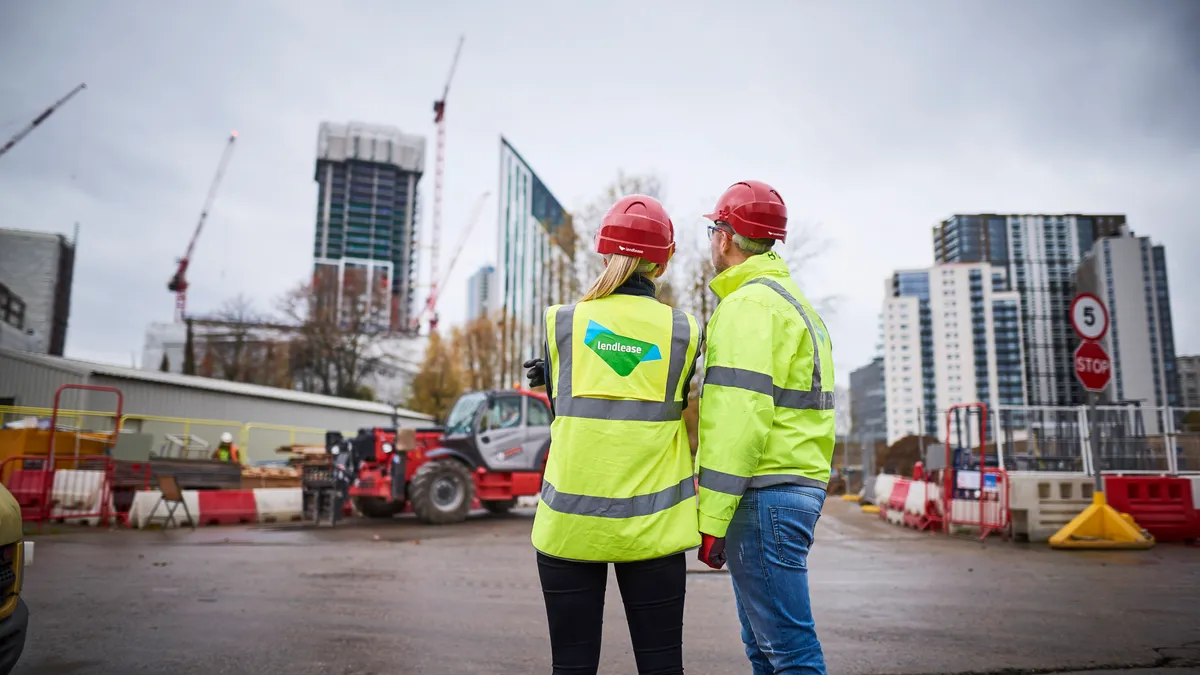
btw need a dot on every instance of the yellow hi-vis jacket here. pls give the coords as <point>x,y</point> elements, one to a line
<point>766,406</point>
<point>619,484</point>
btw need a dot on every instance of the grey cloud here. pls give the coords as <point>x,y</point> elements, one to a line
<point>874,118</point>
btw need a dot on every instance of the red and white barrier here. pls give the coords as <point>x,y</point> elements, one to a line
<point>143,513</point>
<point>234,507</point>
<point>279,505</point>
<point>220,507</point>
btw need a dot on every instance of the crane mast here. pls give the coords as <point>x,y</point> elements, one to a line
<point>439,112</point>
<point>41,118</point>
<point>178,284</point>
<point>430,309</point>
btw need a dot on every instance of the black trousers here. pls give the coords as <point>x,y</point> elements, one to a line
<point>652,591</point>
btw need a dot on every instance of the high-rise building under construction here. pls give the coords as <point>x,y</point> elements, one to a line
<point>367,217</point>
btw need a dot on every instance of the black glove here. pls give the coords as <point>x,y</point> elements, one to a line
<point>536,372</point>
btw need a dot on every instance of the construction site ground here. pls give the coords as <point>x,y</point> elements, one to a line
<point>401,597</point>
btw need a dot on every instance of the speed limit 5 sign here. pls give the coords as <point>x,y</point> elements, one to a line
<point>1089,317</point>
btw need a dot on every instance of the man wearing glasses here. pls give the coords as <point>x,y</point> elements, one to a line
<point>766,431</point>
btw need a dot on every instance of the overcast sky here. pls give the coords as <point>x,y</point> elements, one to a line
<point>874,119</point>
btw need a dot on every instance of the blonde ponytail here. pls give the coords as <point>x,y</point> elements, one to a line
<point>616,272</point>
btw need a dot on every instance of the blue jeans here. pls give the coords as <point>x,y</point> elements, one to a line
<point>767,547</point>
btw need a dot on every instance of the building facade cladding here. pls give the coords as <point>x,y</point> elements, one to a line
<point>1188,368</point>
<point>39,268</point>
<point>964,347</point>
<point>868,403</point>
<point>481,293</point>
<point>367,214</point>
<point>13,333</point>
<point>1039,254</point>
<point>1129,274</point>
<point>536,244</point>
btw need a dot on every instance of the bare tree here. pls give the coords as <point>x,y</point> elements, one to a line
<point>588,265</point>
<point>691,271</point>
<point>806,243</point>
<point>339,338</point>
<point>234,353</point>
<point>478,349</point>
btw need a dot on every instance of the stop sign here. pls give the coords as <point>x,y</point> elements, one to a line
<point>1092,366</point>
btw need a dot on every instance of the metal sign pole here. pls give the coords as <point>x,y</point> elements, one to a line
<point>1094,440</point>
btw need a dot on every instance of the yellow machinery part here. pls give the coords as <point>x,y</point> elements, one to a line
<point>1100,526</point>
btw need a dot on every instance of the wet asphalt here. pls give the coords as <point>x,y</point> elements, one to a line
<point>399,597</point>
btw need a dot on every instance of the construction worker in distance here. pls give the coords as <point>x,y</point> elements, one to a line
<point>766,431</point>
<point>227,451</point>
<point>619,485</point>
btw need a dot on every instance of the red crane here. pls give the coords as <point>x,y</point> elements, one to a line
<point>178,284</point>
<point>41,118</point>
<point>435,236</point>
<point>430,309</point>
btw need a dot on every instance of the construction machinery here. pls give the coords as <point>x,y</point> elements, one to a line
<point>324,483</point>
<point>430,309</point>
<point>435,235</point>
<point>178,284</point>
<point>41,118</point>
<point>493,449</point>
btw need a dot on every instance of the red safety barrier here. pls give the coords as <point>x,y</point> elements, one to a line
<point>28,487</point>
<point>226,507</point>
<point>899,494</point>
<point>1160,504</point>
<point>973,498</point>
<point>70,488</point>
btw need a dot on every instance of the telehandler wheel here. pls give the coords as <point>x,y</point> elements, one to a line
<point>499,507</point>
<point>442,491</point>
<point>377,507</point>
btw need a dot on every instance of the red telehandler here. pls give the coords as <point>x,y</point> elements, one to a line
<point>493,448</point>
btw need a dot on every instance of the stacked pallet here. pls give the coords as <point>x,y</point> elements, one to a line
<point>270,477</point>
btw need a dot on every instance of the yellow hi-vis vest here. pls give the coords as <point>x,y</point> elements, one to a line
<point>619,484</point>
<point>766,406</point>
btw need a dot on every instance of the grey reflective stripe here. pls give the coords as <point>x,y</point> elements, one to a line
<point>562,337</point>
<point>566,404</point>
<point>774,285</point>
<point>786,479</point>
<point>681,332</point>
<point>803,400</point>
<point>761,383</point>
<point>740,378</point>
<point>618,507</point>
<point>718,481</point>
<point>621,410</point>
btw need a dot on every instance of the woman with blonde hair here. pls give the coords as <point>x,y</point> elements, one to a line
<point>619,483</point>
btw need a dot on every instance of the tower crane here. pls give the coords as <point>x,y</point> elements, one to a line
<point>430,309</point>
<point>41,118</point>
<point>178,284</point>
<point>435,236</point>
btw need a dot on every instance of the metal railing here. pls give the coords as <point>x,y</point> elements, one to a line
<point>178,437</point>
<point>1131,438</point>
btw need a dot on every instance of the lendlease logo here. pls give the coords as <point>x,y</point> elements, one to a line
<point>632,349</point>
<point>621,353</point>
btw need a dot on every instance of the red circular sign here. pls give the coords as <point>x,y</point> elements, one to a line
<point>1089,316</point>
<point>1092,366</point>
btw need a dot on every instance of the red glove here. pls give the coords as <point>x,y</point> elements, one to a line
<point>712,551</point>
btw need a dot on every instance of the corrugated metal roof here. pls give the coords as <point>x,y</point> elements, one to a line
<point>85,368</point>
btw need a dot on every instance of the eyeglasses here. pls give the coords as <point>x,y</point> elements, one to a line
<point>716,228</point>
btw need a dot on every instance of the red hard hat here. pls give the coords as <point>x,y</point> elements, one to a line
<point>637,226</point>
<point>754,210</point>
